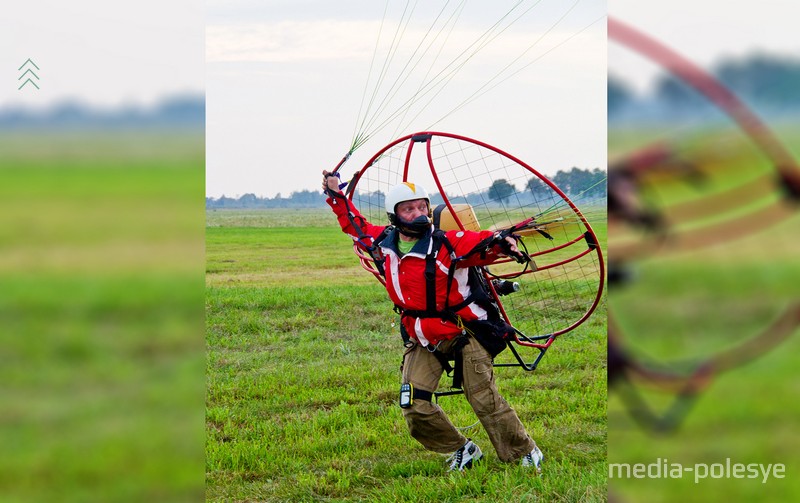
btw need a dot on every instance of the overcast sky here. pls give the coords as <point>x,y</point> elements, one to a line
<point>285,81</point>
<point>704,31</point>
<point>104,54</point>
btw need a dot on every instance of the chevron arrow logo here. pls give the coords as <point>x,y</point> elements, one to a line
<point>29,72</point>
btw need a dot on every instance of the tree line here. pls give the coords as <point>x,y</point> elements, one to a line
<point>575,181</point>
<point>769,82</point>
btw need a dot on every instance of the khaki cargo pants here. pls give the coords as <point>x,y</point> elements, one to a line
<point>427,421</point>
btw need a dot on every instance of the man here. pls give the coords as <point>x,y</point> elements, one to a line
<point>441,318</point>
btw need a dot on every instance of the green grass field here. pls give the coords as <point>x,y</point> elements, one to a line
<point>101,256</point>
<point>683,309</point>
<point>692,305</point>
<point>303,378</point>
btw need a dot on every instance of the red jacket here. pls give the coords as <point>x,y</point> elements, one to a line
<point>405,276</point>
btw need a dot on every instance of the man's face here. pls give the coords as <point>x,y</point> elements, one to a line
<point>409,210</point>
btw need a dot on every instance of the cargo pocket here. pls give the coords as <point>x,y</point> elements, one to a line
<point>483,366</point>
<point>481,393</point>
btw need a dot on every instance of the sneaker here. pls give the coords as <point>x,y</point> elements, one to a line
<point>534,459</point>
<point>465,456</point>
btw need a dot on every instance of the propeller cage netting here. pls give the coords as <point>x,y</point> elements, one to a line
<point>563,284</point>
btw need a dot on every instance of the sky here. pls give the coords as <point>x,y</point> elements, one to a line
<point>103,54</point>
<point>285,82</point>
<point>703,31</point>
<point>284,79</point>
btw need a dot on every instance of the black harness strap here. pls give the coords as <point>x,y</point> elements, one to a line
<point>378,257</point>
<point>363,238</point>
<point>421,394</point>
<point>456,370</point>
<point>430,276</point>
<point>479,293</point>
<point>448,312</point>
<point>444,361</point>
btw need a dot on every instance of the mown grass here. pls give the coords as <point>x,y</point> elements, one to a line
<point>303,377</point>
<point>684,309</point>
<point>691,306</point>
<point>100,303</point>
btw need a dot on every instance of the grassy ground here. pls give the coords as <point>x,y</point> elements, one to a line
<point>100,303</point>
<point>684,309</point>
<point>303,378</point>
<point>690,306</point>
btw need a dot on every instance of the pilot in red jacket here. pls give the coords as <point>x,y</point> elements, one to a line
<point>415,259</point>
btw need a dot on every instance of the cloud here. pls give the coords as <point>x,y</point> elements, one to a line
<point>333,40</point>
<point>287,41</point>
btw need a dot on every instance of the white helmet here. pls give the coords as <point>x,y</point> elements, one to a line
<point>405,191</point>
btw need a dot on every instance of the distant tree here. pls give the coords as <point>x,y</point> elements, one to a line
<point>248,200</point>
<point>226,202</point>
<point>567,181</point>
<point>375,199</point>
<point>764,78</point>
<point>305,198</point>
<point>598,183</point>
<point>538,188</point>
<point>501,190</point>
<point>619,95</point>
<point>581,181</point>
<point>676,94</point>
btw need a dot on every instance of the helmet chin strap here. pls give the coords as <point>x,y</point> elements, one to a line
<point>416,228</point>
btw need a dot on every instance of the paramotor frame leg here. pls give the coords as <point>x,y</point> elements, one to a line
<point>520,361</point>
<point>647,418</point>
